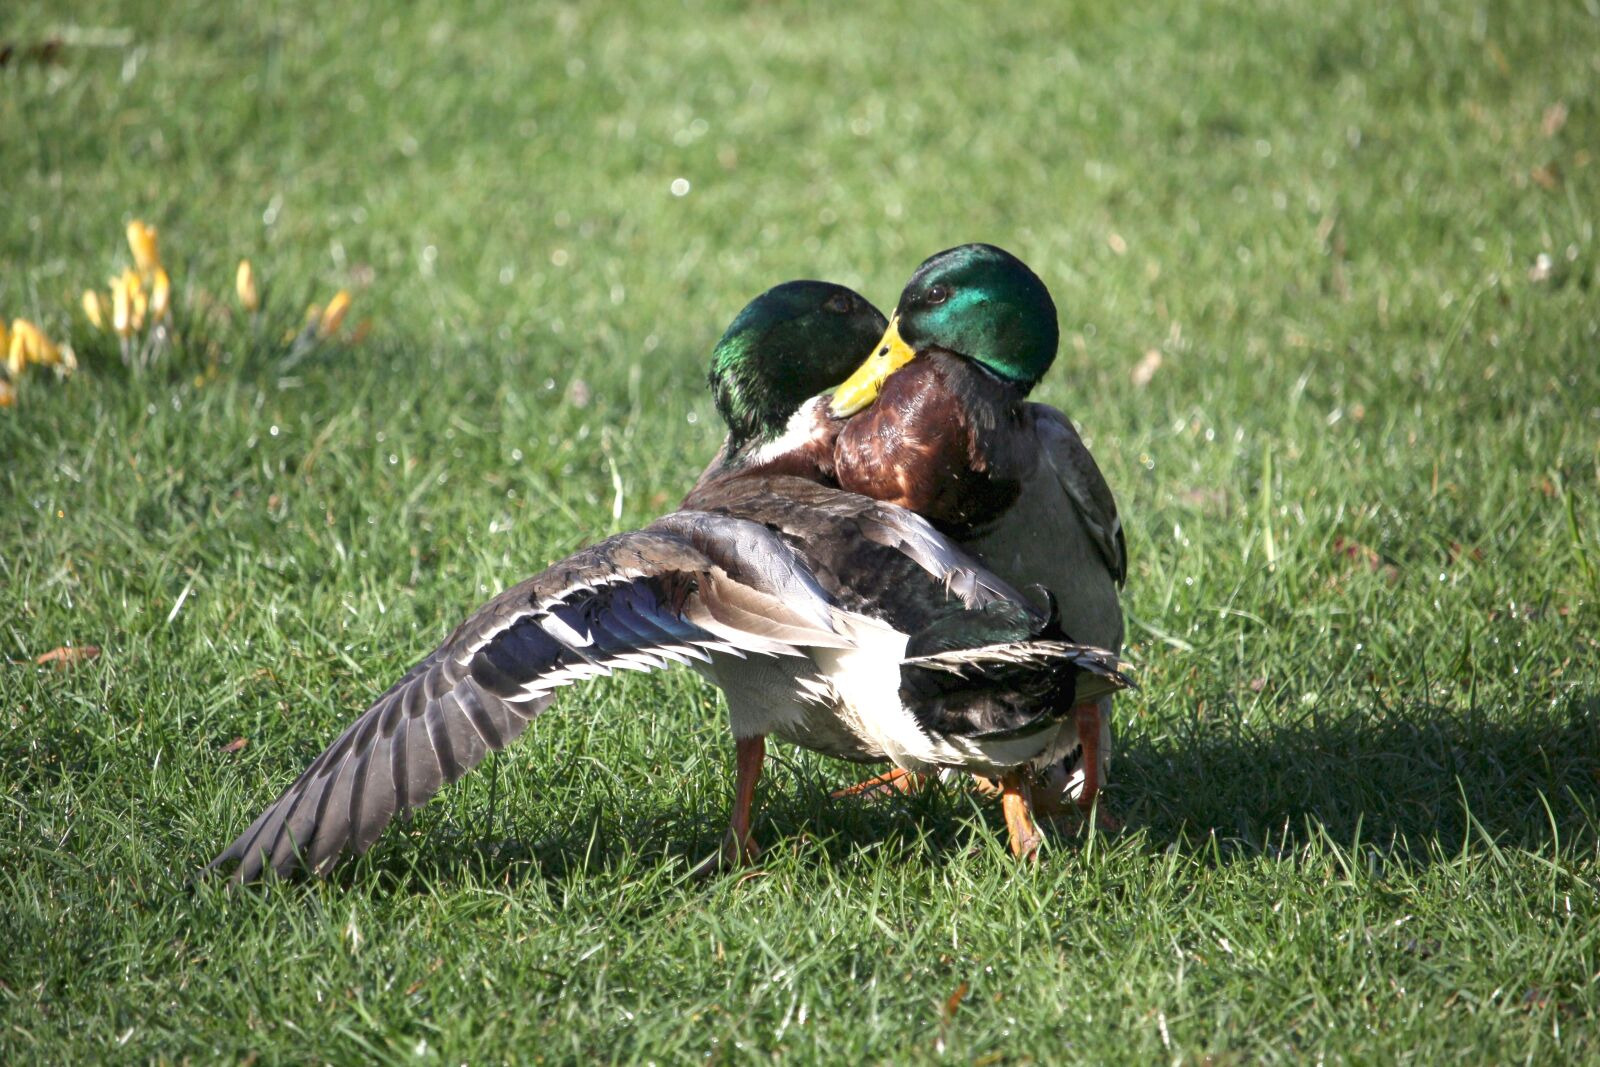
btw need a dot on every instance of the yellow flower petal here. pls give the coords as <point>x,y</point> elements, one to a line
<point>26,336</point>
<point>142,241</point>
<point>160,294</point>
<point>16,354</point>
<point>8,394</point>
<point>141,304</point>
<point>334,314</point>
<point>45,351</point>
<point>5,337</point>
<point>93,309</point>
<point>121,308</point>
<point>244,283</point>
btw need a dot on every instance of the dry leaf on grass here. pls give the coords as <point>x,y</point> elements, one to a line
<point>236,744</point>
<point>1555,117</point>
<point>1356,552</point>
<point>1205,498</point>
<point>67,655</point>
<point>954,1001</point>
<point>1146,368</point>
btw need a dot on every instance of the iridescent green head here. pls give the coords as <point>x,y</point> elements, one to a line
<point>789,344</point>
<point>977,301</point>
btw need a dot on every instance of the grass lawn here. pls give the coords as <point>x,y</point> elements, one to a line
<point>1361,779</point>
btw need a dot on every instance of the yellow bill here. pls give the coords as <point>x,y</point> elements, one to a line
<point>863,387</point>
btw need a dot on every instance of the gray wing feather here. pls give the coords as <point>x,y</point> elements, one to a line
<point>1083,483</point>
<point>637,600</point>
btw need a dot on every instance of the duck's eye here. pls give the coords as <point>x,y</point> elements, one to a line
<point>838,303</point>
<point>938,294</point>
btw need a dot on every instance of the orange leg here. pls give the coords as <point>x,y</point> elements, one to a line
<point>901,780</point>
<point>739,845</point>
<point>1089,737</point>
<point>1052,800</point>
<point>1016,801</point>
<point>898,780</point>
<point>986,786</point>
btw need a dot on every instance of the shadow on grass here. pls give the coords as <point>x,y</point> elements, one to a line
<point>649,830</point>
<point>1408,781</point>
<point>1411,779</point>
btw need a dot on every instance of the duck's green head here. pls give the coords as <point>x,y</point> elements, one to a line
<point>789,344</point>
<point>977,301</point>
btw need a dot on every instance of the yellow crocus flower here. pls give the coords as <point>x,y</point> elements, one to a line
<point>244,283</point>
<point>36,347</point>
<point>142,241</point>
<point>138,300</point>
<point>17,351</point>
<point>5,337</point>
<point>93,309</point>
<point>121,307</point>
<point>160,295</point>
<point>334,313</point>
<point>44,351</point>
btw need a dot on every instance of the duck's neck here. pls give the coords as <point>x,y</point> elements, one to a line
<point>802,448</point>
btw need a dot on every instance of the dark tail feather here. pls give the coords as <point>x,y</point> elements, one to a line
<point>1000,689</point>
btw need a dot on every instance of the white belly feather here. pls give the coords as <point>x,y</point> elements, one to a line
<point>846,703</point>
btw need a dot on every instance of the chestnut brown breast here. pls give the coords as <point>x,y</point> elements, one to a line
<point>918,446</point>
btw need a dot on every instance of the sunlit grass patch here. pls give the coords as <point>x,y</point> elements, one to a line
<point>1326,278</point>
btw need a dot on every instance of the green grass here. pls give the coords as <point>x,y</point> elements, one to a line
<point>1364,802</point>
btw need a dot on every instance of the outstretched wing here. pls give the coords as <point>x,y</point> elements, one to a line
<point>1083,483</point>
<point>678,590</point>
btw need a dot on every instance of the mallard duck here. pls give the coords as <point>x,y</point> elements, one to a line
<point>839,623</point>
<point>939,423</point>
